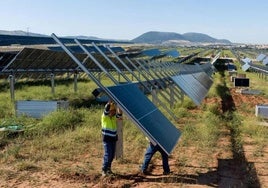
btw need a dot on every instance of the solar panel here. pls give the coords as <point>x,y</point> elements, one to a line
<point>37,60</point>
<point>258,68</point>
<point>6,40</point>
<point>173,53</point>
<point>151,52</point>
<point>194,85</point>
<point>245,67</point>
<point>5,58</point>
<point>261,57</point>
<point>91,49</point>
<point>265,61</point>
<point>204,79</point>
<point>40,60</point>
<point>246,60</point>
<point>146,116</point>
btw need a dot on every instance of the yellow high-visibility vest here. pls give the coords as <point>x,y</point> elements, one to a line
<point>109,125</point>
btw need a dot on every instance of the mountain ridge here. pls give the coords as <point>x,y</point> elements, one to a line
<point>156,37</point>
<point>150,37</point>
<point>24,33</point>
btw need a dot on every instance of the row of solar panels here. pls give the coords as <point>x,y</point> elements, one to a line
<point>43,61</point>
<point>247,64</point>
<point>263,58</point>
<point>138,107</point>
<point>7,40</point>
<point>193,80</point>
<point>39,60</point>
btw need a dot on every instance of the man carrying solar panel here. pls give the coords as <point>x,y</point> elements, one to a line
<point>109,135</point>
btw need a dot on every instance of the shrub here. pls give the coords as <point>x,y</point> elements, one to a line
<point>57,122</point>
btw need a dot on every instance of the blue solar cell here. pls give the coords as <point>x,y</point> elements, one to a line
<point>151,52</point>
<point>146,116</point>
<point>173,53</point>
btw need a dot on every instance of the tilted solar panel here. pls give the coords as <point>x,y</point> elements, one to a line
<point>146,116</point>
<point>173,53</point>
<point>5,58</point>
<point>151,52</point>
<point>191,86</point>
<point>204,79</point>
<point>261,57</point>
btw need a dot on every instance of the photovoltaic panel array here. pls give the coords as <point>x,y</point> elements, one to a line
<point>38,60</point>
<point>265,61</point>
<point>193,80</point>
<point>146,115</point>
<point>135,104</point>
<point>247,64</point>
<point>195,85</point>
<point>151,52</point>
<point>91,49</point>
<point>32,60</point>
<point>6,40</point>
<point>261,57</point>
<point>5,58</point>
<point>173,53</point>
<point>260,68</point>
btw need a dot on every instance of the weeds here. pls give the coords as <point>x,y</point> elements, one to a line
<point>57,122</point>
<point>27,166</point>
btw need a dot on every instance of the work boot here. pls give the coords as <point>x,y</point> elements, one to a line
<point>166,173</point>
<point>104,173</point>
<point>109,172</point>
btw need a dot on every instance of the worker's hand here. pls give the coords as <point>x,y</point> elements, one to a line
<point>119,111</point>
<point>111,102</point>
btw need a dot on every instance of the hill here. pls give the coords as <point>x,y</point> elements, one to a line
<point>21,33</point>
<point>24,33</point>
<point>155,37</point>
<point>199,37</point>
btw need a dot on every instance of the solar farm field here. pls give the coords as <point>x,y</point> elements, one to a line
<point>222,142</point>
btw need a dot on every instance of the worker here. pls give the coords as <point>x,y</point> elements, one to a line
<point>109,119</point>
<point>150,151</point>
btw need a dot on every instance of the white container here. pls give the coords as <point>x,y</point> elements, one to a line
<point>262,110</point>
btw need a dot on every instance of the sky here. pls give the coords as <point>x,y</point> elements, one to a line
<point>240,21</point>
